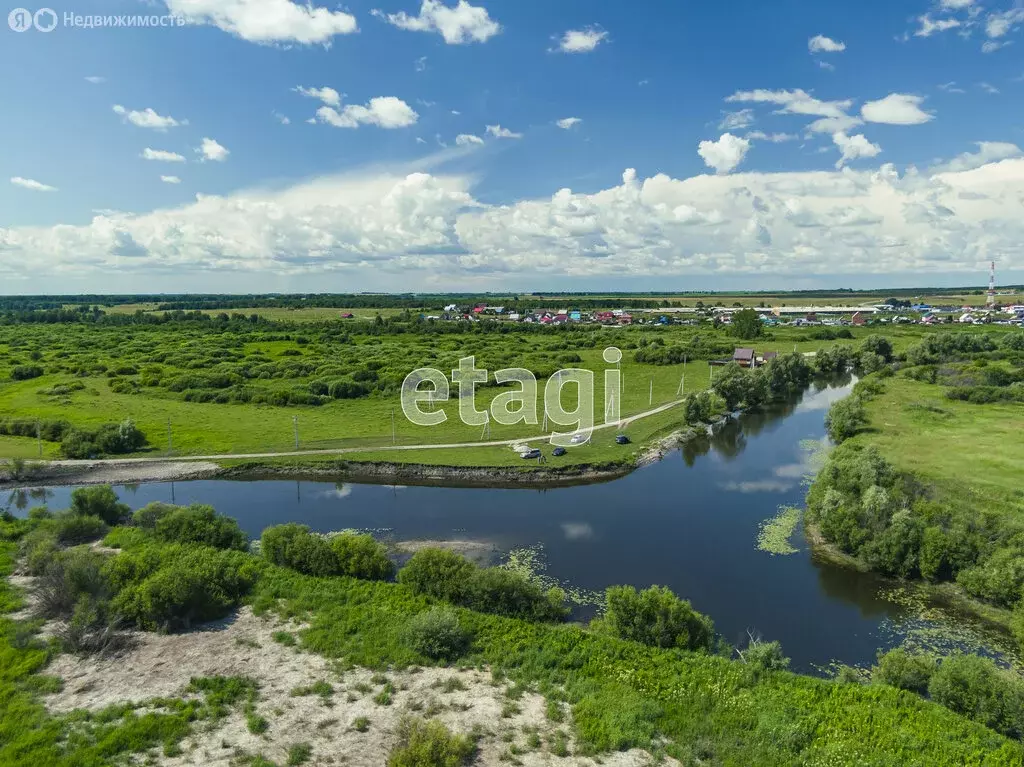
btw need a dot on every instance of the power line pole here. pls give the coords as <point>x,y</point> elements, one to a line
<point>295,424</point>
<point>39,437</point>
<point>393,437</point>
<point>650,398</point>
<point>170,437</point>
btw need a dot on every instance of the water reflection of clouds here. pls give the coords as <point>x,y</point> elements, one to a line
<point>821,400</point>
<point>790,470</point>
<point>757,486</point>
<point>338,492</point>
<point>577,531</point>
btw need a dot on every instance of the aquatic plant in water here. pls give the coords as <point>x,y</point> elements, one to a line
<point>775,533</point>
<point>531,562</point>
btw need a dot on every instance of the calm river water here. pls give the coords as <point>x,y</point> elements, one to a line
<point>689,522</point>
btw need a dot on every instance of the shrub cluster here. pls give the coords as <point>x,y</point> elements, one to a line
<point>109,439</point>
<point>970,685</point>
<point>446,575</point>
<point>437,634</point>
<point>358,556</point>
<point>656,617</point>
<point>200,524</point>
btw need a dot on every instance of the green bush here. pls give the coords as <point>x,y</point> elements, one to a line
<point>293,545</point>
<point>879,345</point>
<point>845,418</point>
<point>201,584</point>
<point>765,656</point>
<point>25,372</point>
<point>202,525</point>
<point>898,668</point>
<point>429,744</point>
<point>656,617</point>
<point>437,634</point>
<point>69,576</point>
<point>974,687</point>
<point>360,556</point>
<point>99,502</point>
<point>998,579</point>
<point>438,573</point>
<point>126,538</point>
<point>72,529</point>
<point>514,594</point>
<point>151,513</point>
<point>445,575</point>
<point>38,548</point>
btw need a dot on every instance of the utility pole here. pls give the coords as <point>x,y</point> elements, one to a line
<point>295,424</point>
<point>650,398</point>
<point>39,437</point>
<point>170,437</point>
<point>393,437</point>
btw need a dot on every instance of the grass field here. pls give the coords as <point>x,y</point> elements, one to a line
<point>973,454</point>
<point>279,314</point>
<point>94,375</point>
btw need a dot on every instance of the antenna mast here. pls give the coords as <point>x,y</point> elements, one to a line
<point>992,285</point>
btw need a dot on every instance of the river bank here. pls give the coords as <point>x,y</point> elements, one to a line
<point>306,467</point>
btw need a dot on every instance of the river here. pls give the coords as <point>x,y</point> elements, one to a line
<point>689,522</point>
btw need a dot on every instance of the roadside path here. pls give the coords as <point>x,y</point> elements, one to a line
<point>348,450</point>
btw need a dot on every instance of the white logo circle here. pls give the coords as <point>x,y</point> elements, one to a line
<point>45,20</point>
<point>20,19</point>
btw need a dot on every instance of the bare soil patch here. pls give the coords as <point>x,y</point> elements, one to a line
<point>354,725</point>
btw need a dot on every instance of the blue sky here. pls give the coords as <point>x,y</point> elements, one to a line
<point>915,175</point>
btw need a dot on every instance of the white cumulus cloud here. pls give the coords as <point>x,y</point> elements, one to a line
<point>327,95</point>
<point>568,122</point>
<point>29,183</point>
<point>147,118</point>
<point>854,148</point>
<point>400,231</point>
<point>988,151</point>
<point>725,154</point>
<point>774,138</point>
<point>268,21</point>
<point>211,150</point>
<point>170,179</point>
<point>582,40</point>
<point>383,111</point>
<point>1002,23</point>
<point>797,102</point>
<point>468,139</point>
<point>896,109</point>
<point>462,23</point>
<point>498,132</point>
<point>822,44</point>
<point>161,156</point>
<point>738,120</point>
<point>931,26</point>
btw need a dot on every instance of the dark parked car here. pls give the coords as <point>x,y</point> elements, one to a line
<point>558,451</point>
<point>622,439</point>
<point>534,453</point>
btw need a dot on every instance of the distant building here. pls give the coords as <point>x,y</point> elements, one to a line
<point>624,319</point>
<point>745,358</point>
<point>859,319</point>
<point>811,317</point>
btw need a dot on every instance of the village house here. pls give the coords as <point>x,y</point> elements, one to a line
<point>745,358</point>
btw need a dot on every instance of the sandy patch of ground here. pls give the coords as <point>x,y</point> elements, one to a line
<point>117,473</point>
<point>513,731</point>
